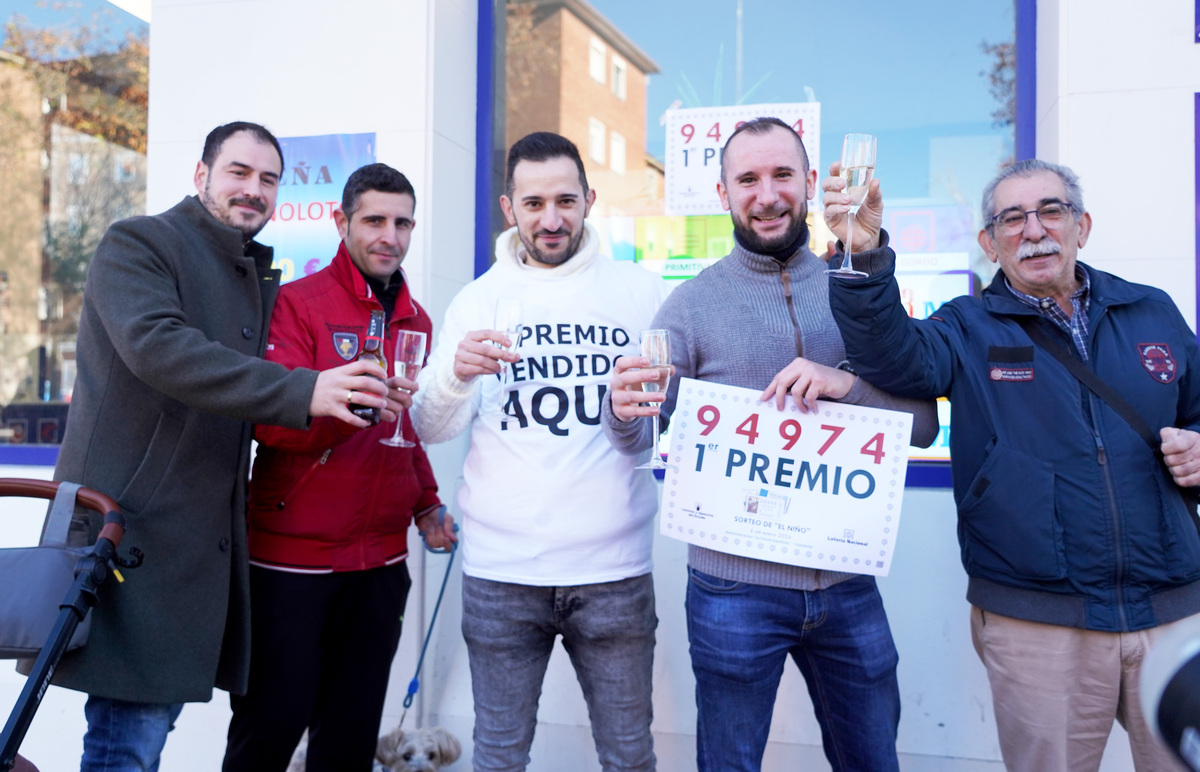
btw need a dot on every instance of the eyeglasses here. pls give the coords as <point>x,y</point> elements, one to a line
<point>1051,216</point>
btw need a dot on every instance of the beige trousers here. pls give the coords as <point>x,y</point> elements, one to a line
<point>1056,691</point>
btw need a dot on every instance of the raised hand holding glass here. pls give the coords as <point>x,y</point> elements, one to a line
<point>410,356</point>
<point>858,167</point>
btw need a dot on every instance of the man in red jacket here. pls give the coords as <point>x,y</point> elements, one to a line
<point>330,509</point>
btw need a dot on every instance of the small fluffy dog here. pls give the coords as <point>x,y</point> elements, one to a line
<point>418,750</point>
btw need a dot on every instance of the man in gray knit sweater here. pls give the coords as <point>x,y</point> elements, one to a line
<point>760,319</point>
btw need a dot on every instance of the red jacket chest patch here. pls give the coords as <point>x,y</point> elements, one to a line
<point>346,344</point>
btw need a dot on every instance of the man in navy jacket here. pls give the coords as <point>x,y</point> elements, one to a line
<point>1079,547</point>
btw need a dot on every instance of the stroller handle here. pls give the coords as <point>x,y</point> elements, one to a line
<point>94,500</point>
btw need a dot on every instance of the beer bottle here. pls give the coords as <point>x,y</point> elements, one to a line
<point>372,351</point>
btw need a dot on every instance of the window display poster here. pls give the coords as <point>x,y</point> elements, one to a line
<point>695,137</point>
<point>315,170</point>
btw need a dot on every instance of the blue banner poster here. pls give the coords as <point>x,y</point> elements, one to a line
<point>315,170</point>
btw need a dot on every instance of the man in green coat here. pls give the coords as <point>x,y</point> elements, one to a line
<point>170,379</point>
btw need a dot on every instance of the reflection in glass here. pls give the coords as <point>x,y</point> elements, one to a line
<point>73,149</point>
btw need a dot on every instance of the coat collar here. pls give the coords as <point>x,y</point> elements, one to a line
<point>347,275</point>
<point>228,240</point>
<point>509,252</point>
<point>1106,290</point>
<point>802,262</point>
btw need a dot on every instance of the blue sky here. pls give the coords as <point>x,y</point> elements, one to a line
<point>899,52</point>
<point>909,72</point>
<point>73,13</point>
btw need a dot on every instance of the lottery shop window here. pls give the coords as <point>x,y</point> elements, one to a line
<point>934,81</point>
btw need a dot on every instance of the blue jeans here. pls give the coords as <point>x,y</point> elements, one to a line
<point>608,631</point>
<point>125,736</point>
<point>741,635</point>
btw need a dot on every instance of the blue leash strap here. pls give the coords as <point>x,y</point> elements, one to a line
<point>415,683</point>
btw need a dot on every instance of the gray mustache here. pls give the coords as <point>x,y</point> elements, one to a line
<point>1046,246</point>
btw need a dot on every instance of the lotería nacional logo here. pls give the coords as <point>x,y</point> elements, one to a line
<point>1157,359</point>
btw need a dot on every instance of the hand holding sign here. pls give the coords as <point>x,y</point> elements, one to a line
<point>807,382</point>
<point>819,489</point>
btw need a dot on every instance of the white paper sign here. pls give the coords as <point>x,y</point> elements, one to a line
<point>821,489</point>
<point>695,137</point>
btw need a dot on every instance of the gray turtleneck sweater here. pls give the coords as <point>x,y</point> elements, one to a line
<point>732,324</point>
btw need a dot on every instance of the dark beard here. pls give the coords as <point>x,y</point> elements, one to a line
<point>248,232</point>
<point>755,243</point>
<point>555,259</point>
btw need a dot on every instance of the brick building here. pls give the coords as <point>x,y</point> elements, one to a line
<point>570,71</point>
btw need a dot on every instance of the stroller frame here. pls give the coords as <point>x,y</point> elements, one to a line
<point>91,571</point>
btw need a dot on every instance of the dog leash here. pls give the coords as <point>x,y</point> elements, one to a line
<point>415,683</point>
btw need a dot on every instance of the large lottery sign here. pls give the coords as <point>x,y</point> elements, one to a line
<point>302,230</point>
<point>820,489</point>
<point>695,137</point>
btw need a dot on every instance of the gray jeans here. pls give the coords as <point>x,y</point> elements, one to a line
<point>608,631</point>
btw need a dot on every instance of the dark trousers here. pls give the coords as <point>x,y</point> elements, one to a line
<point>321,650</point>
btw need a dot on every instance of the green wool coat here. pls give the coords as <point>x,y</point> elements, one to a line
<point>170,379</point>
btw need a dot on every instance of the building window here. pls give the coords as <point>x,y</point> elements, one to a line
<point>596,60</point>
<point>50,305</point>
<point>619,69</point>
<point>78,168</point>
<point>124,170</point>
<point>596,140</point>
<point>617,153</point>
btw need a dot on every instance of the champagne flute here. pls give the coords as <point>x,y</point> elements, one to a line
<point>509,316</point>
<point>656,347</point>
<point>410,355</point>
<point>858,166</point>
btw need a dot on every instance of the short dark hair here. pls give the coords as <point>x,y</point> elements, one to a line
<point>763,125</point>
<point>542,146</point>
<point>216,138</point>
<point>380,177</point>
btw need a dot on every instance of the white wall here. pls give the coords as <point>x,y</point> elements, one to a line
<point>1116,85</point>
<point>403,69</point>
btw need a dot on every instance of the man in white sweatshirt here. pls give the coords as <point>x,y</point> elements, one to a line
<point>557,525</point>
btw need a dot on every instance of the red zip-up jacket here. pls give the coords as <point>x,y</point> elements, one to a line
<point>332,498</point>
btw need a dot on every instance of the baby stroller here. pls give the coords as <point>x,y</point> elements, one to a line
<point>91,571</point>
